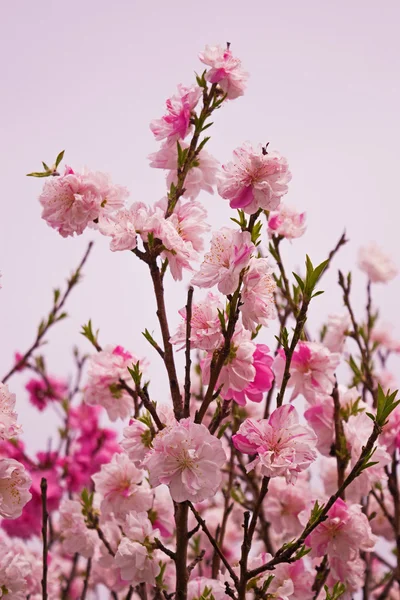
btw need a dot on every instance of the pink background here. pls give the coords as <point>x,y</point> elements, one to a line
<point>89,76</point>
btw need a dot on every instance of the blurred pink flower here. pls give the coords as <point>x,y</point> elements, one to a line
<point>287,222</point>
<point>378,267</point>
<point>41,391</point>
<point>8,417</point>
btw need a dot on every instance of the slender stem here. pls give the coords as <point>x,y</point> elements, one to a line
<point>341,452</point>
<point>300,322</point>
<point>321,576</point>
<point>168,351</point>
<point>71,577</point>
<point>52,318</point>
<point>186,410</point>
<point>87,577</point>
<point>45,516</point>
<point>214,543</point>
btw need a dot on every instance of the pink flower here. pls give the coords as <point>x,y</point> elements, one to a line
<point>106,370</point>
<point>14,488</point>
<point>257,296</point>
<point>226,70</point>
<point>202,175</point>
<point>284,503</point>
<point>335,335</point>
<point>8,417</point>
<point>205,324</point>
<point>382,333</point>
<point>136,442</point>
<point>73,201</point>
<point>42,391</point>
<point>261,383</point>
<point>312,370</point>
<point>357,431</point>
<point>175,124</point>
<point>229,254</point>
<point>283,447</point>
<point>238,370</point>
<point>390,436</point>
<point>376,265</point>
<point>13,572</point>
<point>188,459</point>
<point>189,220</point>
<point>161,513</point>
<point>76,537</point>
<point>122,226</point>
<point>281,586</point>
<point>136,563</point>
<point>197,586</point>
<point>287,222</point>
<point>122,487</point>
<point>254,179</point>
<point>345,532</point>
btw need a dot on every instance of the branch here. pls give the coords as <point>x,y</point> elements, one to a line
<point>45,516</point>
<point>87,577</point>
<point>186,410</point>
<point>214,544</point>
<point>341,452</point>
<point>53,317</point>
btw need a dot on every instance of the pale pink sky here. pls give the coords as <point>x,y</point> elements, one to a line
<point>89,76</point>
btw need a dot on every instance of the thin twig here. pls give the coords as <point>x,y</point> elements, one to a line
<point>87,577</point>
<point>52,318</point>
<point>45,516</point>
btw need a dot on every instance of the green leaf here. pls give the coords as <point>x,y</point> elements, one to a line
<point>299,281</point>
<point>38,174</point>
<point>59,158</point>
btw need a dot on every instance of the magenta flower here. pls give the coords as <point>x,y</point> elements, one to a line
<point>261,383</point>
<point>312,370</point>
<point>229,254</point>
<point>188,459</point>
<point>226,70</point>
<point>255,179</point>
<point>282,446</point>
<point>175,124</point>
<point>41,391</point>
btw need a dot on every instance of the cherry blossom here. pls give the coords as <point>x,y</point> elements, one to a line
<point>335,334</point>
<point>137,440</point>
<point>14,488</point>
<point>8,417</point>
<point>226,70</point>
<point>283,446</point>
<point>286,222</point>
<point>201,176</point>
<point>122,487</point>
<point>136,563</point>
<point>72,201</point>
<point>229,254</point>
<point>75,535</point>
<point>375,264</point>
<point>312,370</point>
<point>43,391</point>
<point>205,324</point>
<point>284,503</point>
<point>188,459</point>
<point>262,382</point>
<point>255,179</point>
<point>176,123</point>
<point>238,370</point>
<point>106,370</point>
<point>257,297</point>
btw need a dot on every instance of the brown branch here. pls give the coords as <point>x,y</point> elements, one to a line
<point>214,544</point>
<point>182,575</point>
<point>45,516</point>
<point>87,577</point>
<point>71,577</point>
<point>53,315</point>
<point>186,410</point>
